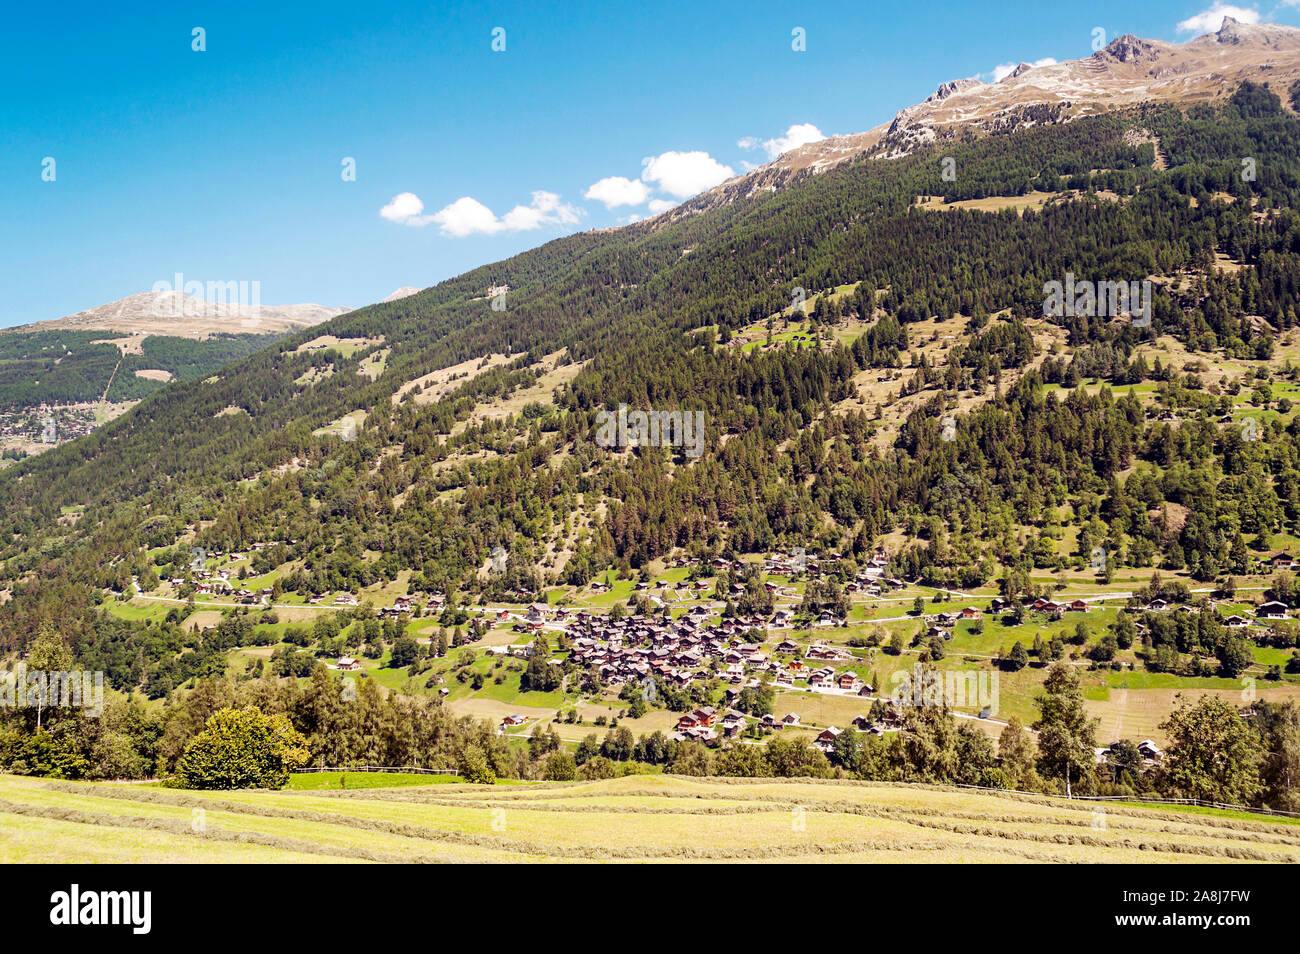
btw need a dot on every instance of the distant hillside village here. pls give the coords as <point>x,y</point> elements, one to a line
<point>718,645</point>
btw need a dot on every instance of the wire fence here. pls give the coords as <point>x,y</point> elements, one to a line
<point>408,769</point>
<point>1141,799</point>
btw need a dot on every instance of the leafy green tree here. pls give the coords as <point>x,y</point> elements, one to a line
<point>404,653</point>
<point>242,748</point>
<point>1066,736</point>
<point>1213,753</point>
<point>1018,756</point>
<point>560,767</point>
<point>1235,656</point>
<point>474,767</point>
<point>1280,726</point>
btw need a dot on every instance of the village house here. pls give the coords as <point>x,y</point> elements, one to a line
<point>826,740</point>
<point>1149,751</point>
<point>1272,610</point>
<point>821,678</point>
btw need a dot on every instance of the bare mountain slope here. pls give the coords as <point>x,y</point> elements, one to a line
<point>181,315</point>
<point>1128,71</point>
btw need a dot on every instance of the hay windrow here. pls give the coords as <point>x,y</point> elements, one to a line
<point>945,820</point>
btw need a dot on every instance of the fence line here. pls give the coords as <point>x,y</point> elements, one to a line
<point>1197,802</point>
<point>409,769</point>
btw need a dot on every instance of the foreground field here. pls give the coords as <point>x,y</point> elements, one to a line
<point>647,818</point>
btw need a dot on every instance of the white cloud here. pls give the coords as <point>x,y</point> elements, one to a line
<point>1209,21</point>
<point>468,216</point>
<point>616,190</point>
<point>405,209</point>
<point>683,174</point>
<point>1003,70</point>
<point>799,134</point>
<point>660,205</point>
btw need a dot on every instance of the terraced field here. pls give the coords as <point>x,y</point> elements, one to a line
<point>646,818</point>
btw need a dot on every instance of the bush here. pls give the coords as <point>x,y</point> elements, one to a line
<point>474,767</point>
<point>560,767</point>
<point>242,748</point>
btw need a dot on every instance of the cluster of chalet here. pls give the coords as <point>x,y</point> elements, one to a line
<point>872,578</point>
<point>46,424</point>
<point>1050,608</point>
<point>402,606</point>
<point>1272,609</point>
<point>705,724</point>
<point>681,651</point>
<point>637,648</point>
<point>891,721</point>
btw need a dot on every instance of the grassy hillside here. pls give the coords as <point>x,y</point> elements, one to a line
<point>646,818</point>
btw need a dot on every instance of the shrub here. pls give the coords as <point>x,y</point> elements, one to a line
<point>242,748</point>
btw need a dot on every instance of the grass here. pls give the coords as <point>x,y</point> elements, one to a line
<point>636,818</point>
<point>349,781</point>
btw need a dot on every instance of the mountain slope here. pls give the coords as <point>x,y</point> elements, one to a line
<point>173,313</point>
<point>1127,72</point>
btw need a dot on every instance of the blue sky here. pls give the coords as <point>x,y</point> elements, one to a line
<point>226,164</point>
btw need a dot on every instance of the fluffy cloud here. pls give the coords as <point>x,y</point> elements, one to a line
<point>800,134</point>
<point>1003,70</point>
<point>616,190</point>
<point>660,205</point>
<point>683,174</point>
<point>1209,21</point>
<point>468,216</point>
<point>405,209</point>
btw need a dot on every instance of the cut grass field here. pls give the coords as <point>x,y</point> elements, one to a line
<point>639,818</point>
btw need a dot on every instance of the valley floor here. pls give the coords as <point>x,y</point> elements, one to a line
<point>641,818</point>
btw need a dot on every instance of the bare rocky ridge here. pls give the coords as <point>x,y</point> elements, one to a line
<point>406,291</point>
<point>185,316</point>
<point>1127,72</point>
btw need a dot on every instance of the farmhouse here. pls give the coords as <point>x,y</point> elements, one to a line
<point>826,741</point>
<point>1272,610</point>
<point>849,680</point>
<point>821,678</point>
<point>1149,751</point>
